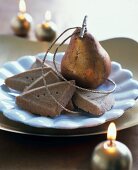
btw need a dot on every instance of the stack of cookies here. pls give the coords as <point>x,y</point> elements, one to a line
<point>36,99</point>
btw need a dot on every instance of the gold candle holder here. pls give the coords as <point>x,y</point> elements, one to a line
<point>21,23</point>
<point>47,30</point>
<point>111,154</point>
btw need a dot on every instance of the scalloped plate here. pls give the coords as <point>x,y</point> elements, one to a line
<point>125,95</point>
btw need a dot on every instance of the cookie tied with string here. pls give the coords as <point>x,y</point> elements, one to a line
<point>20,81</point>
<point>39,101</point>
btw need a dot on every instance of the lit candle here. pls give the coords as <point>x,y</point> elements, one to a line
<point>47,30</point>
<point>21,24</point>
<point>111,154</point>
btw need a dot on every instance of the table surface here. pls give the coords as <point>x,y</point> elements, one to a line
<point>30,152</point>
<point>33,153</point>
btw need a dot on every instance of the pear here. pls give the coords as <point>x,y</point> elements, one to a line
<point>85,61</point>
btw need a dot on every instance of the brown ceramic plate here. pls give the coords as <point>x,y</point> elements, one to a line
<point>122,50</point>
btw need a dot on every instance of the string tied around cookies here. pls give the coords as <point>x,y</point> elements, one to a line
<point>81,33</point>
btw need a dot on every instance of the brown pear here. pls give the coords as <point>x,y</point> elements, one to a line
<point>85,61</point>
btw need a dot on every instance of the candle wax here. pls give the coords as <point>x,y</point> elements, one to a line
<point>111,157</point>
<point>46,31</point>
<point>21,24</point>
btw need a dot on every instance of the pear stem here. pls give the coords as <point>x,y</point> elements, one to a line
<point>84,27</point>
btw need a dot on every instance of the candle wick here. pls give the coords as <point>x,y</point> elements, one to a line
<point>110,142</point>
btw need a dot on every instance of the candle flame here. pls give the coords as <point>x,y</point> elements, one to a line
<point>111,133</point>
<point>22,6</point>
<point>48,16</point>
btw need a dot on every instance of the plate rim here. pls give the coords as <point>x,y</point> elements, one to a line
<point>62,127</point>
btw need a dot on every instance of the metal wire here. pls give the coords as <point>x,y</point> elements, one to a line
<point>63,78</point>
<point>44,80</point>
<point>78,87</point>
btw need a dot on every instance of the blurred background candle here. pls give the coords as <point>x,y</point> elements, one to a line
<point>111,154</point>
<point>21,23</point>
<point>47,30</point>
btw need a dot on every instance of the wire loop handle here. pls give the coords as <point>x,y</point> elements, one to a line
<point>63,78</point>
